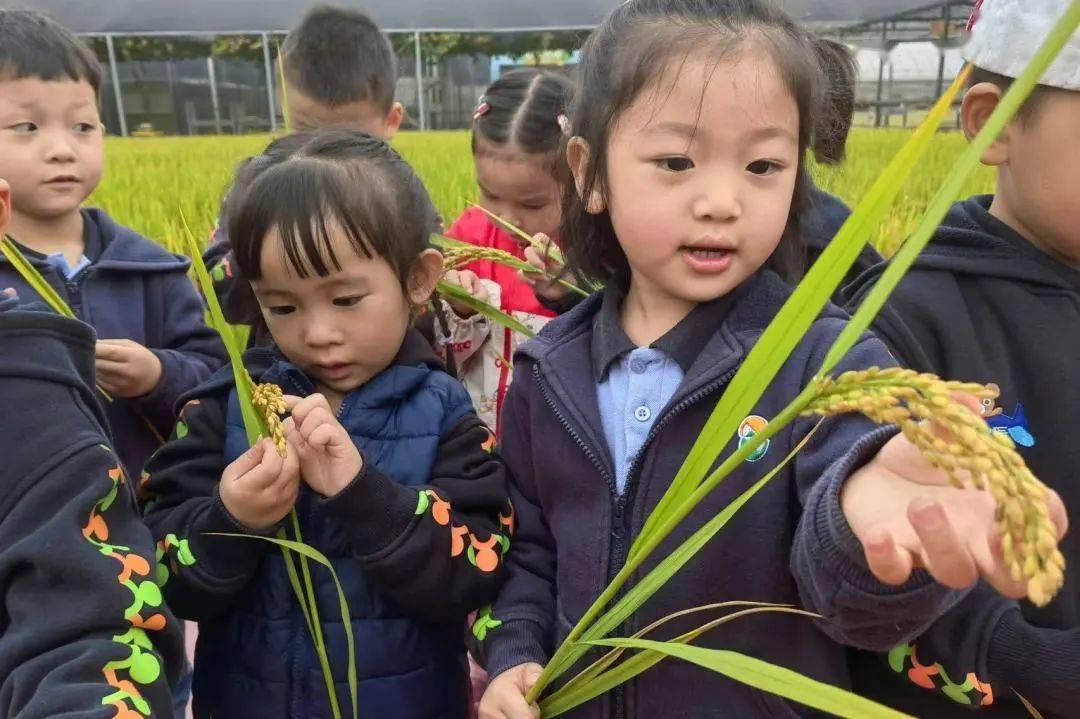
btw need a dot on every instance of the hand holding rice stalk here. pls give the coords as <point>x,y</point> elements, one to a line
<point>1030,551</point>
<point>262,407</point>
<point>971,453</point>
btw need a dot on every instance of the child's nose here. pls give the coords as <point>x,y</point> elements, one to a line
<point>320,331</point>
<point>718,201</point>
<point>59,148</point>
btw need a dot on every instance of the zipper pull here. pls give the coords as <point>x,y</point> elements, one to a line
<point>618,527</point>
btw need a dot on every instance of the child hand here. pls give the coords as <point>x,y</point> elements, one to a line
<point>542,286</point>
<point>126,368</point>
<point>260,486</point>
<point>467,280</point>
<point>907,515</point>
<point>329,461</point>
<point>505,696</point>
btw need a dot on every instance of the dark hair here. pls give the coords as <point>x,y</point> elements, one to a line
<point>632,48</point>
<point>337,56</point>
<point>303,184</point>
<point>833,122</point>
<point>1030,107</point>
<point>522,108</point>
<point>32,45</point>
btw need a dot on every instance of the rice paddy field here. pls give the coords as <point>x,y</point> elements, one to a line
<point>148,181</point>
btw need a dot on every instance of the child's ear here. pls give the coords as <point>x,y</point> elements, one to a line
<point>423,276</point>
<point>577,157</point>
<point>5,206</point>
<point>393,120</point>
<point>979,104</point>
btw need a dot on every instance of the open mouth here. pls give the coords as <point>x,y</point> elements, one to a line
<point>708,259</point>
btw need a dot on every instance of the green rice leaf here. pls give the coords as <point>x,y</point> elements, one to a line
<point>253,423</point>
<point>1035,714</point>
<point>636,596</point>
<point>595,680</point>
<point>317,556</point>
<point>767,677</point>
<point>51,297</point>
<point>553,252</point>
<point>459,294</point>
<point>1010,104</point>
<point>34,278</point>
<point>284,90</point>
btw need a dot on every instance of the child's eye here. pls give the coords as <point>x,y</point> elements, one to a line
<point>764,167</point>
<point>348,301</point>
<point>675,164</point>
<point>24,128</point>
<point>85,128</point>
<point>281,310</point>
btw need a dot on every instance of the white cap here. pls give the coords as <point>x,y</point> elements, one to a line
<point>1006,34</point>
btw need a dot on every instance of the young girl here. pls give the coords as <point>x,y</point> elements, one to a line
<point>387,465</point>
<point>520,169</point>
<point>690,130</point>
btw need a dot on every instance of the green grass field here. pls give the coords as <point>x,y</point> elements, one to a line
<point>148,181</point>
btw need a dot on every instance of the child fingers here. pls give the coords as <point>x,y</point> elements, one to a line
<point>887,561</point>
<point>323,435</point>
<point>243,464</point>
<point>300,408</point>
<point>317,417</point>
<point>944,553</point>
<point>105,350</point>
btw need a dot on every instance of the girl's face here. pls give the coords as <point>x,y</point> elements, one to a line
<point>701,173</point>
<point>347,327</point>
<point>518,187</point>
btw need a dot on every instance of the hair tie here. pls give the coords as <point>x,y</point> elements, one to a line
<point>564,124</point>
<point>482,109</point>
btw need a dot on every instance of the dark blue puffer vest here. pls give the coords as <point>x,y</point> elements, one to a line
<point>259,660</point>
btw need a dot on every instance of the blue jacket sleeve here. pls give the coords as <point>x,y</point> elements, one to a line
<point>189,350</point>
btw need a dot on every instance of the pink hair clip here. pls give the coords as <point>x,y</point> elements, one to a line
<point>564,124</point>
<point>482,109</point>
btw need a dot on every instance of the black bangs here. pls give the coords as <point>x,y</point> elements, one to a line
<point>32,45</point>
<point>332,181</point>
<point>305,202</point>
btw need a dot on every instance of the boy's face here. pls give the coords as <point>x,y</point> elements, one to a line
<point>51,145</point>
<point>306,113</point>
<point>1038,191</point>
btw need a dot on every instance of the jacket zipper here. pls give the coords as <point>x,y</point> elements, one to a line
<point>622,502</point>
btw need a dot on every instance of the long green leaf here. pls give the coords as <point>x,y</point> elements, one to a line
<point>1035,713</point>
<point>494,314</point>
<point>553,252</point>
<point>576,693</point>
<point>798,313</point>
<point>34,278</point>
<point>767,677</point>
<point>1010,104</point>
<point>315,555</point>
<point>51,297</point>
<point>253,423</point>
<point>573,649</point>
